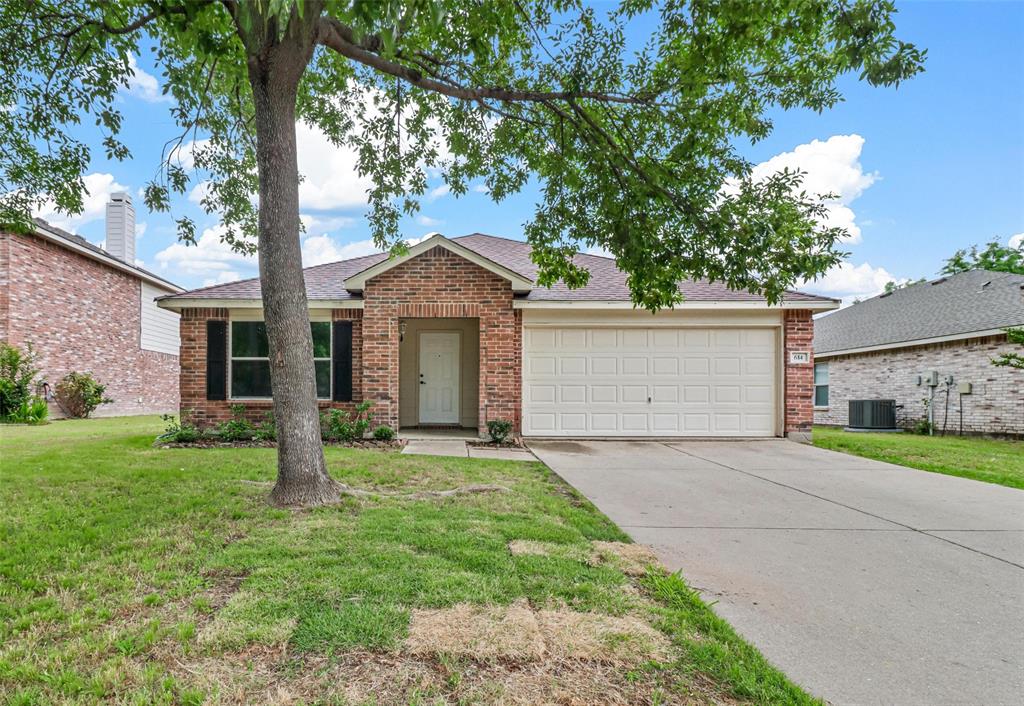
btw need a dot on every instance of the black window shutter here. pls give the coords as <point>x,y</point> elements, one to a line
<point>216,360</point>
<point>342,362</point>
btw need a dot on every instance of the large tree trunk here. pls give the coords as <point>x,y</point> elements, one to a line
<point>302,477</point>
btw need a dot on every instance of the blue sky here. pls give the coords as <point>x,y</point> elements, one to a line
<point>922,170</point>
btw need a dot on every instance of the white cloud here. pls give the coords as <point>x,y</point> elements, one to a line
<point>480,189</point>
<point>210,257</point>
<point>428,221</point>
<point>199,192</point>
<point>144,85</point>
<point>831,167</point>
<point>1016,241</point>
<point>329,174</point>
<point>140,229</point>
<point>848,282</point>
<point>223,277</point>
<point>318,225</point>
<point>318,249</point>
<point>98,186</point>
<point>184,155</point>
<point>436,193</point>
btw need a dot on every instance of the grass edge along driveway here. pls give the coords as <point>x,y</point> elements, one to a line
<point>999,461</point>
<point>145,575</point>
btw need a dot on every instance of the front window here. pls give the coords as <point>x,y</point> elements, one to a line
<point>250,359</point>
<point>821,384</point>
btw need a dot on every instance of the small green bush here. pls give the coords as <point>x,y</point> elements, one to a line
<point>179,433</point>
<point>339,425</point>
<point>383,433</point>
<point>922,426</point>
<point>499,429</point>
<point>238,428</point>
<point>266,430</point>
<point>17,371</point>
<point>34,410</point>
<point>79,394</point>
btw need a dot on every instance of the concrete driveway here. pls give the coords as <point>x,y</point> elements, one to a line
<point>865,582</point>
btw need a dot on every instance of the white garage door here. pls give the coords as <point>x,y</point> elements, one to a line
<point>648,382</point>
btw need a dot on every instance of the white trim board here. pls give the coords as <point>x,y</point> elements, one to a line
<point>177,304</point>
<point>688,305</point>
<point>912,344</point>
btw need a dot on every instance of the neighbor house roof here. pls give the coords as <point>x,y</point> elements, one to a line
<point>341,282</point>
<point>77,243</point>
<point>966,305</point>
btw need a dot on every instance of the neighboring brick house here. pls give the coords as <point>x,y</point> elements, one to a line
<point>883,348</point>
<point>455,334</point>
<point>85,309</point>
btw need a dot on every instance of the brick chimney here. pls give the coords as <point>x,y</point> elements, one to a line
<point>121,227</point>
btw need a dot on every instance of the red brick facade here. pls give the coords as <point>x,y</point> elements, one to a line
<point>204,412</point>
<point>440,283</point>
<point>82,315</point>
<point>798,332</point>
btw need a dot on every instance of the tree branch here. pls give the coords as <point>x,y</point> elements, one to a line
<point>339,37</point>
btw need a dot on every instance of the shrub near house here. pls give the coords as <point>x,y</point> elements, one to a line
<point>18,404</point>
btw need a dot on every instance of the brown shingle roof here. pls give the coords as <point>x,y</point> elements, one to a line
<point>607,282</point>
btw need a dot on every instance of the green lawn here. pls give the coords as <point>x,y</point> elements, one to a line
<point>133,574</point>
<point>990,460</point>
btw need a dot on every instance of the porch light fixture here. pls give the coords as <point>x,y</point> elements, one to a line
<point>401,331</point>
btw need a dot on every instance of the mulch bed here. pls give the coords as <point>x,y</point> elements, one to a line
<point>487,444</point>
<point>392,445</point>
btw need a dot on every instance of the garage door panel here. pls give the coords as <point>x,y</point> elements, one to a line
<point>648,382</point>
<point>572,394</point>
<point>604,365</point>
<point>665,394</point>
<point>573,365</point>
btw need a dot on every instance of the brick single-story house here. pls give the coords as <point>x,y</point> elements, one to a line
<point>87,309</point>
<point>885,347</point>
<point>456,333</point>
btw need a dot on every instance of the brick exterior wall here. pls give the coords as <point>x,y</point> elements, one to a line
<point>995,406</point>
<point>81,315</point>
<point>439,283</point>
<point>798,403</point>
<point>206,413</point>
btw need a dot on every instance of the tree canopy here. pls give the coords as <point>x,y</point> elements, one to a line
<point>995,256</point>
<point>636,151</point>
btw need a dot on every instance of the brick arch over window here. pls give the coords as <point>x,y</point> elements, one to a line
<point>439,283</point>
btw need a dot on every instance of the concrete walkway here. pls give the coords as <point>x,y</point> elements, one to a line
<point>867,583</point>
<point>459,448</point>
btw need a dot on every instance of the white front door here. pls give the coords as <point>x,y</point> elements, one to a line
<point>439,377</point>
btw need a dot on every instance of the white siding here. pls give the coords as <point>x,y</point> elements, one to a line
<point>159,326</point>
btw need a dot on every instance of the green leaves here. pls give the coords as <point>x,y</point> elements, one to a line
<point>996,257</point>
<point>634,147</point>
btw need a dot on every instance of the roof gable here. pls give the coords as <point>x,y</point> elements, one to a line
<point>520,283</point>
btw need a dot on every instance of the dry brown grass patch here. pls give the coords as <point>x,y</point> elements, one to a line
<point>477,632</point>
<point>517,633</point>
<point>630,559</point>
<point>519,547</point>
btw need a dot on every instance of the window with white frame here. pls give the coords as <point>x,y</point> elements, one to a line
<point>250,359</point>
<point>821,384</point>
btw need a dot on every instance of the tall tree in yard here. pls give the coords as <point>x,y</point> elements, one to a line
<point>635,151</point>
